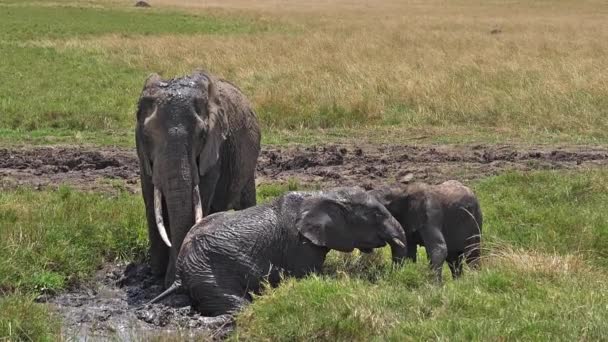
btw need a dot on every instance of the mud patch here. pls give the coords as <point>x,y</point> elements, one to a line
<point>85,169</point>
<point>113,307</point>
<point>369,166</point>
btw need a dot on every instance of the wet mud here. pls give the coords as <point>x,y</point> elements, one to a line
<point>113,307</point>
<point>369,166</point>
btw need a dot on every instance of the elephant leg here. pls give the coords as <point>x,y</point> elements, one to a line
<point>224,303</point>
<point>159,252</point>
<point>435,245</point>
<point>398,254</point>
<point>412,250</point>
<point>248,198</point>
<point>454,260</point>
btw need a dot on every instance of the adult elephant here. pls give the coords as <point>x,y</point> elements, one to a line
<point>198,141</point>
<point>228,255</point>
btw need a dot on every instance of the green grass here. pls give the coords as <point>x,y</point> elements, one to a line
<point>52,239</point>
<point>548,211</point>
<point>544,273</point>
<point>23,320</point>
<point>73,90</point>
<point>38,23</point>
<point>501,301</point>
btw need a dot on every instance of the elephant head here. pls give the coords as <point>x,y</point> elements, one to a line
<point>180,129</point>
<point>346,219</point>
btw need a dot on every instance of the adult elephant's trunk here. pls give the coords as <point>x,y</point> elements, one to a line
<point>160,224</point>
<point>175,178</point>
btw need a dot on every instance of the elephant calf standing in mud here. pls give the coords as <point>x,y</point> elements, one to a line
<point>198,141</point>
<point>227,255</point>
<point>445,218</point>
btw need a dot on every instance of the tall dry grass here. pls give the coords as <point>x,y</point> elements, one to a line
<point>504,65</point>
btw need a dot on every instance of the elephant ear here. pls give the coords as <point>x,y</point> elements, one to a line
<point>144,108</point>
<point>144,163</point>
<point>323,222</point>
<point>217,124</point>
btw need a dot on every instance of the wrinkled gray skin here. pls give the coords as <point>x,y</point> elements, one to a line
<point>195,134</point>
<point>229,254</point>
<point>446,219</point>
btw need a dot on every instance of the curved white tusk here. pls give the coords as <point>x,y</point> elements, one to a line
<point>398,242</point>
<point>158,212</point>
<point>198,207</point>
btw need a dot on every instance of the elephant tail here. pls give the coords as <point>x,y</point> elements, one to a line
<point>477,224</point>
<point>177,285</point>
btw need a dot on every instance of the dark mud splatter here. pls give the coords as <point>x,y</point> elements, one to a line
<point>370,166</point>
<point>113,306</point>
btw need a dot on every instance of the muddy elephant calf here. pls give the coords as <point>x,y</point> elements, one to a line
<point>227,255</point>
<point>445,218</point>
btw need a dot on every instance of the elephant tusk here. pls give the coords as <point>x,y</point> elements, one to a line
<point>398,242</point>
<point>198,207</point>
<point>158,212</point>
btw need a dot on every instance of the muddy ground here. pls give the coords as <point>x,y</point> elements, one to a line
<point>369,166</point>
<point>111,305</point>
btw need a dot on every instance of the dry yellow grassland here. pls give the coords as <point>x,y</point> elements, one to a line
<point>506,66</point>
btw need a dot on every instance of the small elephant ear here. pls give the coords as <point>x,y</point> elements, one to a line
<point>153,80</point>
<point>217,123</point>
<point>323,222</point>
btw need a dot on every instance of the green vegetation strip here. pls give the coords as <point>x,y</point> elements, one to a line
<point>545,238</point>
<point>38,23</point>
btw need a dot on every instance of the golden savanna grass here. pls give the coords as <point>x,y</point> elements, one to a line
<point>412,63</point>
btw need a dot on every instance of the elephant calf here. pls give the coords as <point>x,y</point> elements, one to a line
<point>227,255</point>
<point>445,218</point>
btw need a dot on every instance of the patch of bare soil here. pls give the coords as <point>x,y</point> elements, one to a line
<point>369,166</point>
<point>113,307</point>
<point>85,169</point>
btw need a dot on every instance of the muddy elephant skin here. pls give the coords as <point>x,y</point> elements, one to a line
<point>198,141</point>
<point>446,219</point>
<point>228,255</point>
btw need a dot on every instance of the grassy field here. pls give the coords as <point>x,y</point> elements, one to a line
<point>545,237</point>
<point>387,71</point>
<point>419,67</point>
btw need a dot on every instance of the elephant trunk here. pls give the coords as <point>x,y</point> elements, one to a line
<point>396,239</point>
<point>394,234</point>
<point>158,213</point>
<point>180,207</point>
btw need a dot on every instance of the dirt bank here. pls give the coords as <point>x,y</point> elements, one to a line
<point>109,169</point>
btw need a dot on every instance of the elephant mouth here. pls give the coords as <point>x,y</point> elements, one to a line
<point>158,211</point>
